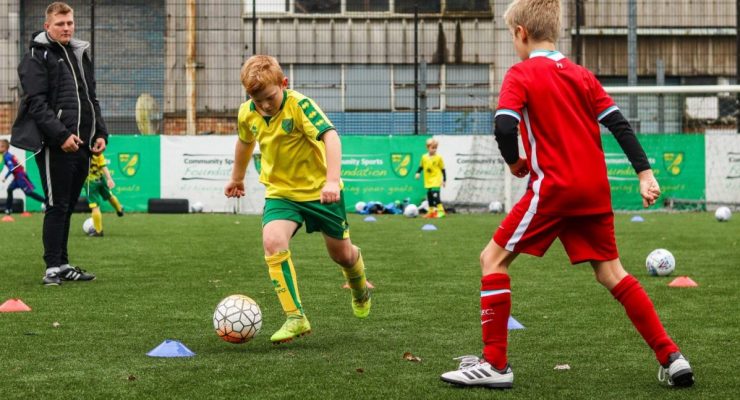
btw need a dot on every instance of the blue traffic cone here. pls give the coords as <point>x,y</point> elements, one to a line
<point>428,227</point>
<point>637,218</point>
<point>514,324</point>
<point>370,219</point>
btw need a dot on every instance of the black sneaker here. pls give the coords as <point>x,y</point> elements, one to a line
<point>120,213</point>
<point>95,234</point>
<point>677,372</point>
<point>71,273</point>
<point>52,279</point>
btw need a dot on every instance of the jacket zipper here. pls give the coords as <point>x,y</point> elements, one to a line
<point>77,89</point>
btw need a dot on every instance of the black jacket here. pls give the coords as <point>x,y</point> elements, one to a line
<point>51,97</point>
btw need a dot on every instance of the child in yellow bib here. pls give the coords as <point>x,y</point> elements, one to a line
<point>301,159</point>
<point>435,177</point>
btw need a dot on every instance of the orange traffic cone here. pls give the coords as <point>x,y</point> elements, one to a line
<point>14,305</point>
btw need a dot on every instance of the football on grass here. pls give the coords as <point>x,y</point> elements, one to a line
<point>88,226</point>
<point>660,262</point>
<point>237,319</point>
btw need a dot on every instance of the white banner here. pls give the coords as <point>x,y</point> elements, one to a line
<point>476,172</point>
<point>722,153</point>
<point>198,168</point>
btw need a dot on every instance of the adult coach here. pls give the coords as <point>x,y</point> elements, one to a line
<point>57,79</point>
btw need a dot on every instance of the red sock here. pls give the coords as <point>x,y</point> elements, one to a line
<point>642,313</point>
<point>495,307</point>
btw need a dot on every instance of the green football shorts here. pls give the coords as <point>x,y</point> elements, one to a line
<point>97,192</point>
<point>330,219</point>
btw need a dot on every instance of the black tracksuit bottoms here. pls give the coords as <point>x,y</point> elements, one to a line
<point>62,176</point>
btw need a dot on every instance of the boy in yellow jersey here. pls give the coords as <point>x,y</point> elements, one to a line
<point>301,161</point>
<point>98,189</point>
<point>434,177</point>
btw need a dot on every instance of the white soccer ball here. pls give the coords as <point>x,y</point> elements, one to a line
<point>237,319</point>
<point>723,214</point>
<point>360,206</point>
<point>495,207</point>
<point>660,262</point>
<point>88,226</point>
<point>197,207</point>
<point>411,211</point>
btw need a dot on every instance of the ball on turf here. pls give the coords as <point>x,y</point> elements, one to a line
<point>495,207</point>
<point>360,206</point>
<point>411,211</point>
<point>237,319</point>
<point>723,214</point>
<point>660,262</point>
<point>197,207</point>
<point>88,226</point>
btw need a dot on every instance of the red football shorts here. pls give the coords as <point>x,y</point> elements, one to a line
<point>585,237</point>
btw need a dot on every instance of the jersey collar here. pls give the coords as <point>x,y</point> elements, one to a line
<point>285,96</point>
<point>551,54</point>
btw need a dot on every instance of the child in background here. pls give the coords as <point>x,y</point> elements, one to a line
<point>301,162</point>
<point>20,180</point>
<point>558,105</point>
<point>98,188</point>
<point>435,178</point>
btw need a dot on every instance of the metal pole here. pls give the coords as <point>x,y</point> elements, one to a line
<point>92,31</point>
<point>660,81</point>
<point>577,38</point>
<point>632,56</point>
<point>416,69</point>
<point>190,124</point>
<point>423,97</point>
<point>254,27</point>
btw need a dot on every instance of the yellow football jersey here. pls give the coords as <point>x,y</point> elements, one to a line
<point>97,163</point>
<point>293,157</point>
<point>432,166</point>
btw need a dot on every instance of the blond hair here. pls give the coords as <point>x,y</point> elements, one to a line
<point>261,71</point>
<point>541,18</point>
<point>58,7</point>
<point>432,141</point>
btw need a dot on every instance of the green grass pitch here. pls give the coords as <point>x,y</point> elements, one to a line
<point>160,277</point>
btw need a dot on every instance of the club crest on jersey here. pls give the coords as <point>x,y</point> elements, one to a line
<point>287,125</point>
<point>400,163</point>
<point>128,163</point>
<point>673,162</point>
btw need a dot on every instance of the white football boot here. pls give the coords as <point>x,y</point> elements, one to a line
<point>677,372</point>
<point>473,371</point>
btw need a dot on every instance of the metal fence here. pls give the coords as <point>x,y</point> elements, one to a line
<point>374,66</point>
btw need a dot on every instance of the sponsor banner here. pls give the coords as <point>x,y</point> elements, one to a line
<point>677,162</point>
<point>723,168</point>
<point>198,168</point>
<point>382,168</point>
<point>476,172</point>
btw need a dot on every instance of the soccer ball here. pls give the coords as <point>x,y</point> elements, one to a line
<point>495,207</point>
<point>237,319</point>
<point>88,226</point>
<point>411,211</point>
<point>197,207</point>
<point>360,206</point>
<point>723,214</point>
<point>660,262</point>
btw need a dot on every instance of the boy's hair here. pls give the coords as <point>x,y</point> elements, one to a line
<point>432,141</point>
<point>5,142</point>
<point>541,18</point>
<point>261,71</point>
<point>58,7</point>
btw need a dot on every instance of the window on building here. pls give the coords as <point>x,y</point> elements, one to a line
<point>367,5</point>
<point>468,5</point>
<point>428,6</point>
<point>266,6</point>
<point>323,83</point>
<point>318,6</point>
<point>468,86</point>
<point>368,88</point>
<point>403,83</point>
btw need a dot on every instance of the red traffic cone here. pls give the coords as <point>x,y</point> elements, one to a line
<point>7,218</point>
<point>14,305</point>
<point>25,214</point>
<point>683,281</point>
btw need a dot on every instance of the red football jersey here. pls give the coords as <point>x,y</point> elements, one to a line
<point>559,104</point>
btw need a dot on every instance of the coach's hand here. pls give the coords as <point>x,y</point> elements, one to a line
<point>72,144</point>
<point>98,146</point>
<point>519,168</point>
<point>234,189</point>
<point>330,192</point>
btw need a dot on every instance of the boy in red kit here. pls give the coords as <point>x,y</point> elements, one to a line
<point>558,106</point>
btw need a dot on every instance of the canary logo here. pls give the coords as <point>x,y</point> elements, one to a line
<point>128,163</point>
<point>673,163</point>
<point>400,163</point>
<point>287,125</point>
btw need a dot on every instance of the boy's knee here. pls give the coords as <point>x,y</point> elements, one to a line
<point>273,245</point>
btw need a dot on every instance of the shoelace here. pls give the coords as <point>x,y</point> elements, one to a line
<point>467,361</point>
<point>663,375</point>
